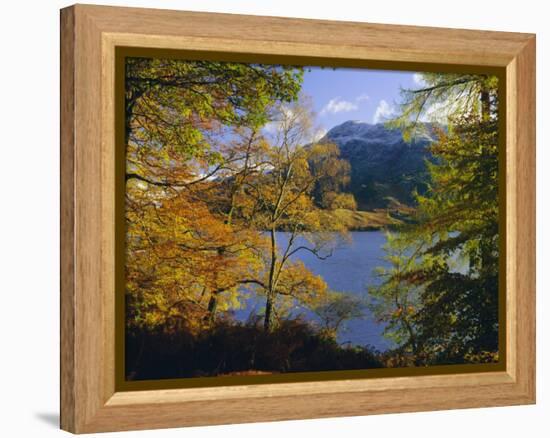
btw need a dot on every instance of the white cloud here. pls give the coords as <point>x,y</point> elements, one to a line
<point>418,79</point>
<point>383,111</point>
<point>338,105</point>
<point>362,98</point>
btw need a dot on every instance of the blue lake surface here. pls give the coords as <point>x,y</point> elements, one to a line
<point>350,269</point>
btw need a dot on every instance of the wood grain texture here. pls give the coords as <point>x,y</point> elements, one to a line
<point>322,37</point>
<point>67,110</point>
<point>89,35</point>
<point>525,226</point>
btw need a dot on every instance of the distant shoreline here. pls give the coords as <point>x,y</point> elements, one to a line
<point>356,220</point>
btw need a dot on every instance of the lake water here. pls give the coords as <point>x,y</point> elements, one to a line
<point>350,268</point>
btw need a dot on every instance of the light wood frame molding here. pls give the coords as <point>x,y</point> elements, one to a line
<point>89,35</point>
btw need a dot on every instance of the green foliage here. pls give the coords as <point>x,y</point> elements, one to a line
<point>185,260</point>
<point>460,304</point>
<point>440,296</point>
<point>207,190</point>
<point>394,302</point>
<point>203,184</point>
<point>443,96</point>
<point>178,109</point>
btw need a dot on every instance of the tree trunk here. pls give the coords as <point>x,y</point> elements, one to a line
<point>212,307</point>
<point>268,313</point>
<point>270,285</point>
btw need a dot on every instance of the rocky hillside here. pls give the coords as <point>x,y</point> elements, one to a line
<point>383,165</point>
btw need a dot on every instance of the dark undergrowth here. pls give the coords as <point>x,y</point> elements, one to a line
<point>229,348</point>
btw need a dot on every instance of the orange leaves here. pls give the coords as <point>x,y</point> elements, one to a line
<point>178,252</point>
<point>204,182</point>
<point>300,283</point>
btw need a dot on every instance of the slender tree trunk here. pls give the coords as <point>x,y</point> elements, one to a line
<point>231,209</point>
<point>212,307</point>
<point>414,343</point>
<point>213,302</point>
<point>271,283</point>
<point>240,179</point>
<point>268,313</point>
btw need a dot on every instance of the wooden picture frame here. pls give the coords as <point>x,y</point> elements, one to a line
<point>90,35</point>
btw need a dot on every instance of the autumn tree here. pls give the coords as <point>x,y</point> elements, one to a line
<point>177,112</point>
<point>179,256</point>
<point>333,176</point>
<point>185,259</point>
<point>244,160</point>
<point>281,199</point>
<point>333,201</point>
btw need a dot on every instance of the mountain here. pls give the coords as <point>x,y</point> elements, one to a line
<point>383,165</point>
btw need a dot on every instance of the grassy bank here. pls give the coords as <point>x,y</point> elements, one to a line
<point>359,220</point>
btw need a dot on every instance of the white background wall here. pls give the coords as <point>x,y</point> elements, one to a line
<point>29,218</point>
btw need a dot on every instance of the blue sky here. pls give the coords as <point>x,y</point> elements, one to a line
<point>344,94</point>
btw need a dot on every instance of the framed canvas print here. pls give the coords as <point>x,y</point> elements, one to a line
<point>269,218</point>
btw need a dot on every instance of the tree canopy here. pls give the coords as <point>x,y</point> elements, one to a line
<point>440,296</point>
<point>222,157</point>
<point>207,190</point>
